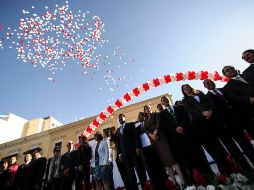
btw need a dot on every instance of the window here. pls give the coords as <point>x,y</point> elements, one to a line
<point>59,144</point>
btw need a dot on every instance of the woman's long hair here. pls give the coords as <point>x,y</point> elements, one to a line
<point>98,136</point>
<point>84,142</point>
<point>192,89</point>
<point>145,114</point>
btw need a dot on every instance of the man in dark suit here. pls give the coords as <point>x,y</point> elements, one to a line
<point>248,56</point>
<point>53,176</point>
<point>225,115</point>
<point>23,170</point>
<point>37,170</point>
<point>120,165</point>
<point>83,157</point>
<point>46,184</point>
<point>67,164</point>
<point>128,149</point>
<point>156,170</point>
<point>240,93</point>
<point>176,122</point>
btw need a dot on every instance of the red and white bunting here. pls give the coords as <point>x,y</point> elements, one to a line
<point>156,82</point>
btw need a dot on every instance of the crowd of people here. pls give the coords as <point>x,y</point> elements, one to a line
<point>158,146</point>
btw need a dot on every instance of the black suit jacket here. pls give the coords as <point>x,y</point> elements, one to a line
<point>128,142</point>
<point>195,108</point>
<point>222,107</point>
<point>38,168</point>
<point>169,124</point>
<point>239,94</point>
<point>68,160</point>
<point>21,175</point>
<point>248,74</point>
<point>83,156</point>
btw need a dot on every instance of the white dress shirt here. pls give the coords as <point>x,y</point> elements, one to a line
<point>239,78</point>
<point>145,141</point>
<point>218,91</point>
<point>197,98</point>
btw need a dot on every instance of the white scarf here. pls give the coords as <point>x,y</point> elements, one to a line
<point>54,174</point>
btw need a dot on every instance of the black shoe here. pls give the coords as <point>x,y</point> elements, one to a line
<point>184,186</point>
<point>177,187</point>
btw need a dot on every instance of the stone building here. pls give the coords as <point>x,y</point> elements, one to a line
<point>51,137</point>
<point>59,136</point>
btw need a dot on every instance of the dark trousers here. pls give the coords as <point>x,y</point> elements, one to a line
<point>131,176</point>
<point>227,139</point>
<point>141,171</point>
<point>67,182</point>
<point>83,176</point>
<point>131,162</point>
<point>235,125</point>
<point>246,146</point>
<point>122,171</point>
<point>246,123</point>
<point>200,161</point>
<point>112,184</point>
<point>207,137</point>
<point>155,168</point>
<point>185,146</point>
<point>55,184</point>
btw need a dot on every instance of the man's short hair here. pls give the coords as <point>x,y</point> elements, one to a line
<point>158,105</point>
<point>248,51</point>
<point>223,72</point>
<point>178,102</point>
<point>57,149</point>
<point>98,135</point>
<point>142,113</point>
<point>112,128</point>
<point>164,97</point>
<point>207,80</point>
<point>121,114</point>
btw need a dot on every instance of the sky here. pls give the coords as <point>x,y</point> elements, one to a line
<point>155,38</point>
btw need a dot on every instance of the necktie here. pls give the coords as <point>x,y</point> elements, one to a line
<point>219,94</point>
<point>172,113</point>
<point>121,129</point>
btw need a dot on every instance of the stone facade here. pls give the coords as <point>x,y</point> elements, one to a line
<point>47,139</point>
